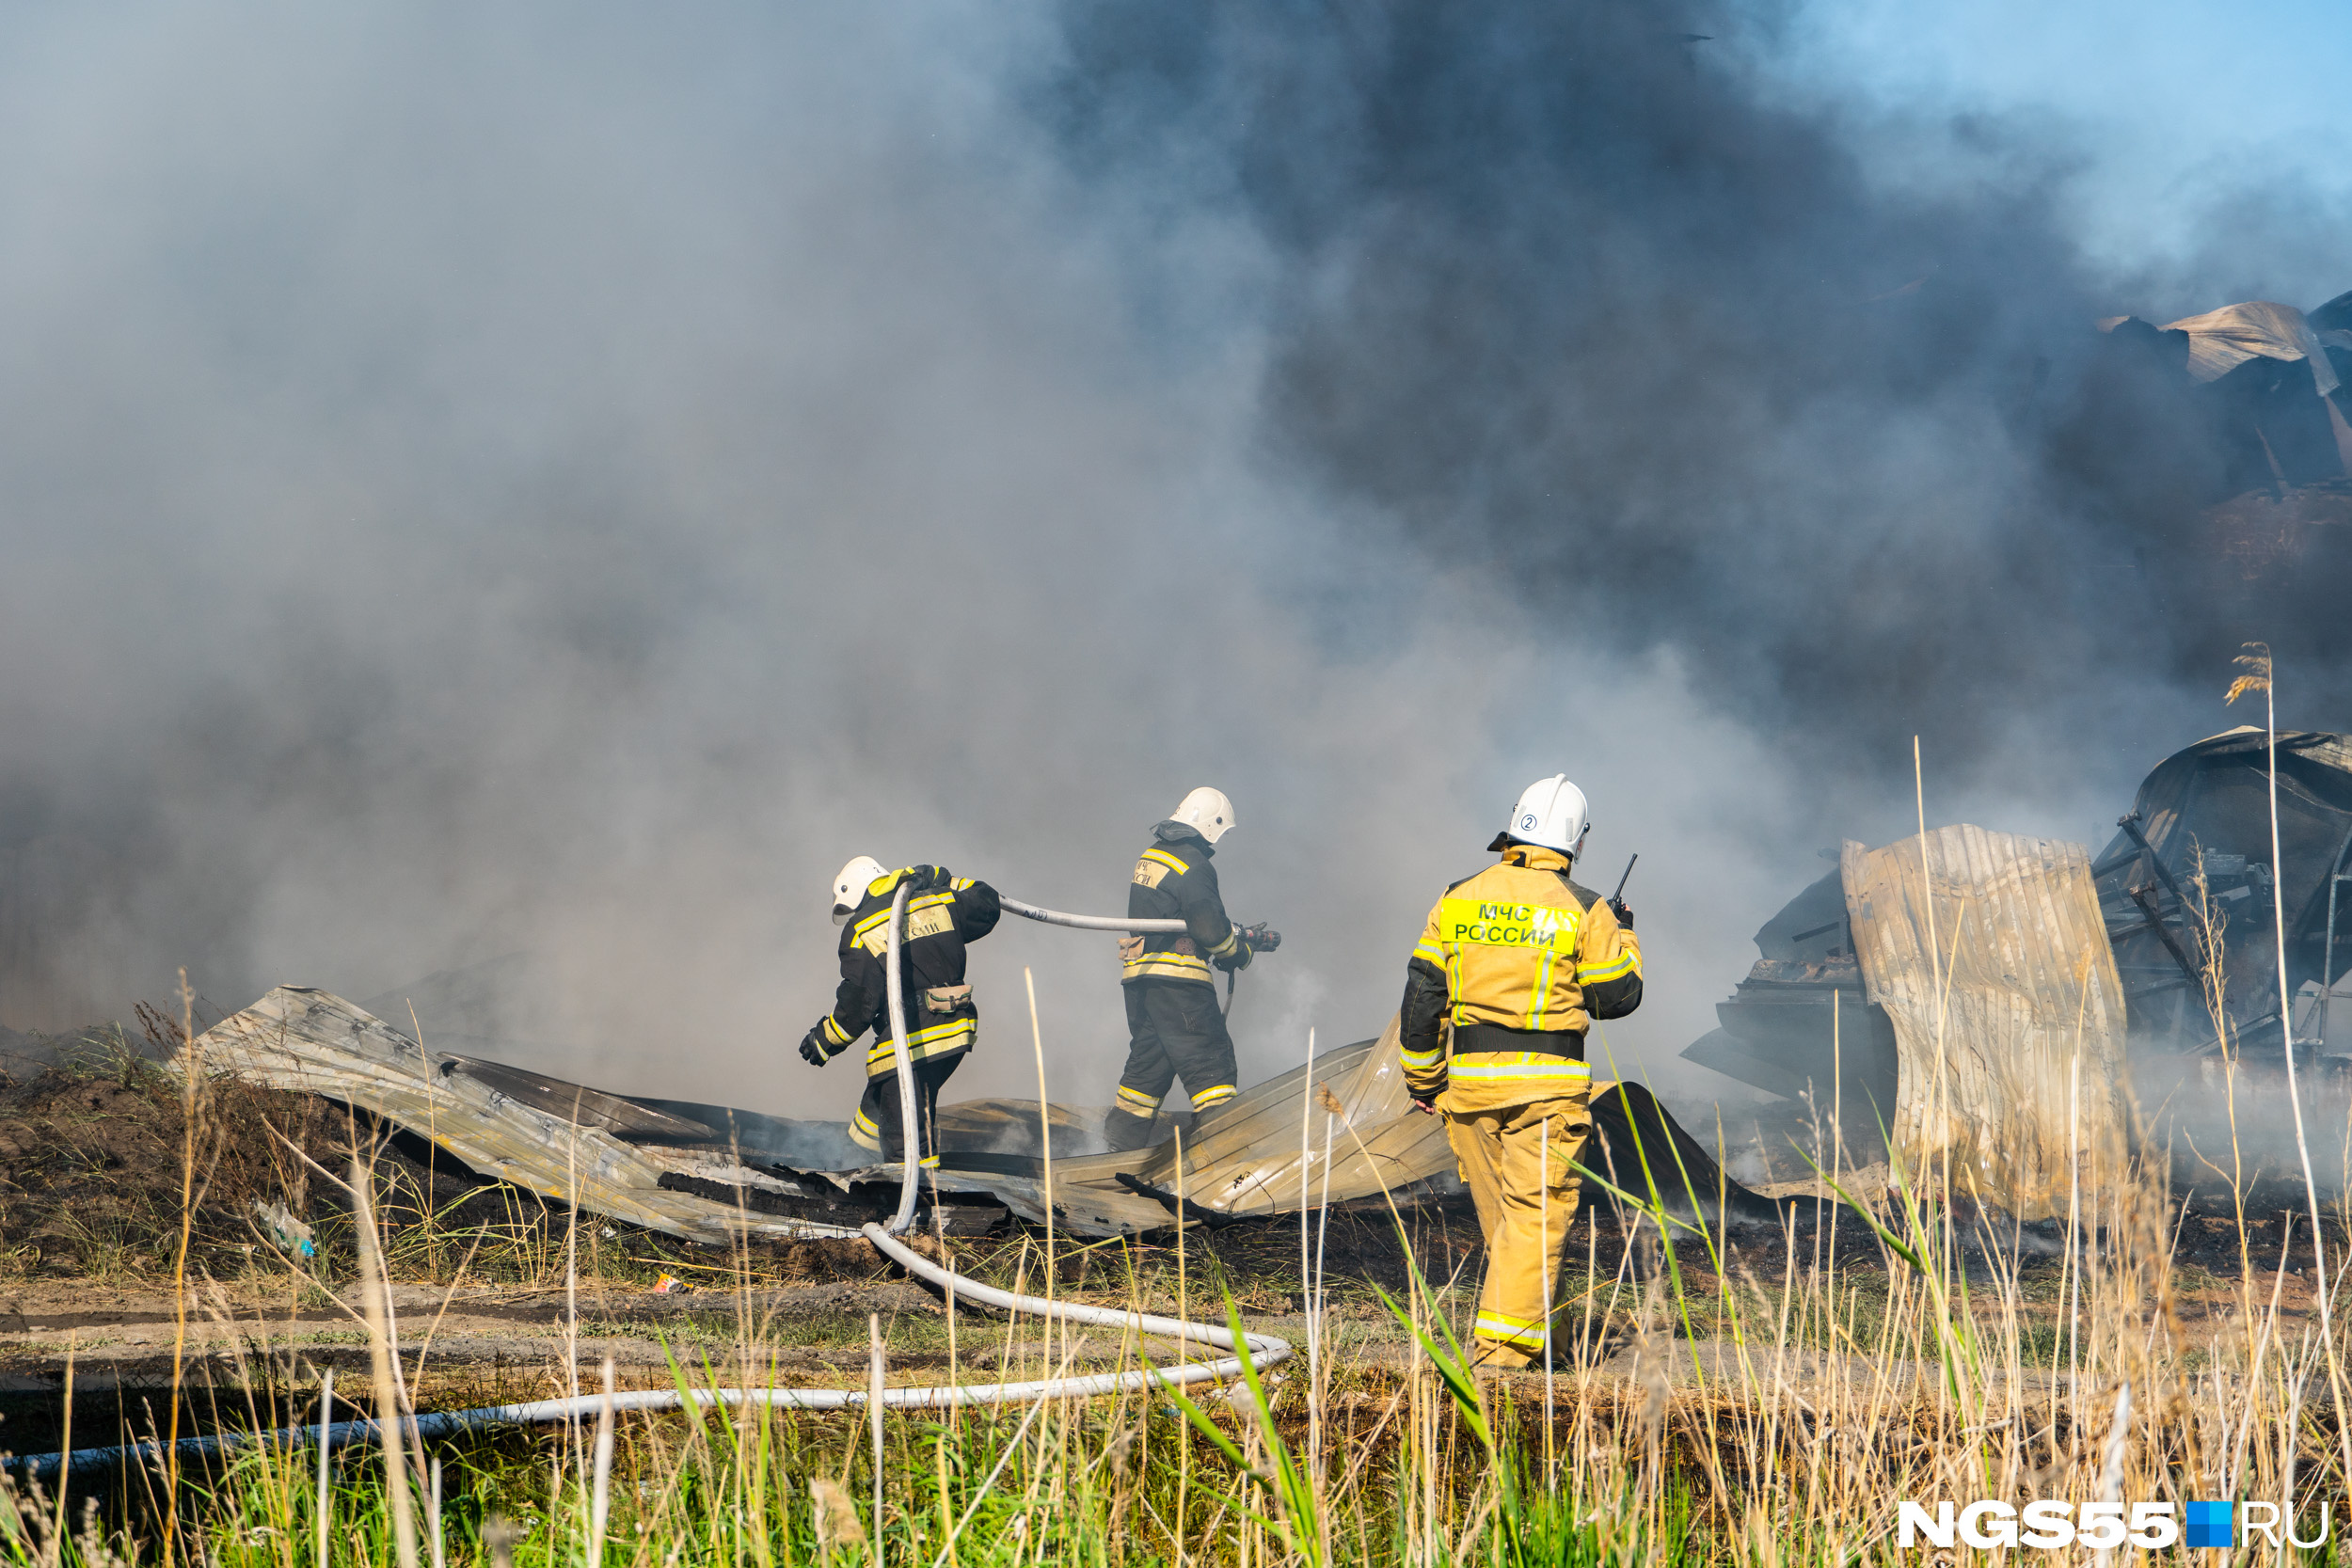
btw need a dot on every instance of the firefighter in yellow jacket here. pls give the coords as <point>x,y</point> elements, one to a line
<point>1512,967</point>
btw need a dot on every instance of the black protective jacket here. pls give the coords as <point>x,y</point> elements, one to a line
<point>939,923</point>
<point>1174,880</point>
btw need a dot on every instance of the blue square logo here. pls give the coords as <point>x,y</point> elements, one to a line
<point>2209,1526</point>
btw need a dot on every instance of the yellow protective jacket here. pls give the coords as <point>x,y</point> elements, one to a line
<point>1511,969</point>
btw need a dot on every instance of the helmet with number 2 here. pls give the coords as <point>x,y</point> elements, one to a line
<point>1550,811</point>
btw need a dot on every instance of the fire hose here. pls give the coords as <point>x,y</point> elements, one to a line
<point>1260,939</point>
<point>1259,1351</point>
<point>1086,922</point>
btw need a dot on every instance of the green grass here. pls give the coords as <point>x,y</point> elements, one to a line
<point>1140,1480</point>
<point>1383,1463</point>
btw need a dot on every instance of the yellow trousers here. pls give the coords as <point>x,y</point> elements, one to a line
<point>1516,1160</point>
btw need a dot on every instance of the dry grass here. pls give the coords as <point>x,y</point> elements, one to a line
<point>1715,1398</point>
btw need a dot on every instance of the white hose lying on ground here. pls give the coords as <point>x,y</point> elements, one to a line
<point>1260,1350</point>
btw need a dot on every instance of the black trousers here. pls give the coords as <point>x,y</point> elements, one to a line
<point>876,1125</point>
<point>1174,1030</point>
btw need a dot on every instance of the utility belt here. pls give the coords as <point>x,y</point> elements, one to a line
<point>1502,1038</point>
<point>1131,947</point>
<point>1180,959</point>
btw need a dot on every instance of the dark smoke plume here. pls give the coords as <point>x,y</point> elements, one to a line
<point>528,493</point>
<point>1567,289</point>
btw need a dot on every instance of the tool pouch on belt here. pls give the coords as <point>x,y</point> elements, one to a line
<point>947,999</point>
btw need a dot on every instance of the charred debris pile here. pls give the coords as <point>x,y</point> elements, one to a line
<point>2250,407</point>
<point>2009,1007</point>
<point>2180,982</point>
<point>718,1174</point>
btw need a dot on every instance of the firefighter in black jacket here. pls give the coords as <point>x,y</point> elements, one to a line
<point>1175,1029</point>
<point>943,913</point>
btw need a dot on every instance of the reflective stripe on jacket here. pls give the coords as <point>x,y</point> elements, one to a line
<point>1174,880</point>
<point>1519,960</point>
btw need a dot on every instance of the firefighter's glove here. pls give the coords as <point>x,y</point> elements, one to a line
<point>813,1050</point>
<point>1248,942</point>
<point>924,879</point>
<point>1623,910</point>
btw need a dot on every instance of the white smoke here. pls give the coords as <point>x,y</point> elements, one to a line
<point>559,481</point>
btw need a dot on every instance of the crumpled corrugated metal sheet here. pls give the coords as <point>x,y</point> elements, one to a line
<point>2010,1026</point>
<point>2204,879</point>
<point>575,1145</point>
<point>1275,1148</point>
<point>1246,1160</point>
<point>2222,340</point>
<point>609,1155</point>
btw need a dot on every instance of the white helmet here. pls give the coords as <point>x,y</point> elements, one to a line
<point>1550,811</point>
<point>848,887</point>
<point>1206,810</point>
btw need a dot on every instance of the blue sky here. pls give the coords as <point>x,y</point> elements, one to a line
<point>2173,110</point>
